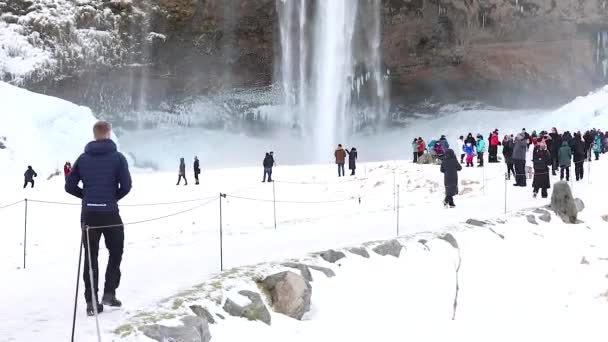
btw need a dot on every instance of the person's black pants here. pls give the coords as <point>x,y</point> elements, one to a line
<point>493,151</point>
<point>554,164</point>
<point>544,193</point>
<point>28,182</point>
<point>510,170</point>
<point>114,240</point>
<point>340,169</point>
<point>520,172</point>
<point>180,179</point>
<point>597,157</point>
<point>449,200</point>
<point>267,172</point>
<point>196,177</point>
<point>352,172</point>
<point>579,170</point>
<point>561,173</point>
<point>480,158</point>
<point>462,158</point>
<point>415,157</point>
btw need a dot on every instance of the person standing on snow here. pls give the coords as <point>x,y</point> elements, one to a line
<point>182,172</point>
<point>507,153</point>
<point>29,177</point>
<point>470,140</point>
<point>519,160</point>
<point>460,148</point>
<point>105,176</point>
<point>352,160</point>
<point>197,169</point>
<point>444,142</point>
<point>542,160</point>
<point>556,144</point>
<point>493,149</point>
<point>580,155</point>
<point>530,158</point>
<point>268,163</point>
<point>415,149</point>
<point>469,150</point>
<point>597,146</point>
<point>565,160</point>
<point>450,167</point>
<point>340,155</point>
<point>481,149</point>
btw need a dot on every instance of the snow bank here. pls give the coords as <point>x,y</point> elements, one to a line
<point>40,130</point>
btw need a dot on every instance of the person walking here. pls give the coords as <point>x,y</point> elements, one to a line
<point>340,155</point>
<point>105,177</point>
<point>182,172</point>
<point>29,177</point>
<point>460,149</point>
<point>556,143</point>
<point>507,153</point>
<point>268,163</point>
<point>579,156</point>
<point>481,149</point>
<point>494,142</point>
<point>197,170</point>
<point>450,167</point>
<point>542,160</point>
<point>519,160</point>
<point>415,149</point>
<point>352,160</point>
<point>565,160</point>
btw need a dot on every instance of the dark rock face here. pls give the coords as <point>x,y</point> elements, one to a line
<point>508,53</point>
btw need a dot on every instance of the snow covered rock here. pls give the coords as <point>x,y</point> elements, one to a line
<point>531,219</point>
<point>563,203</point>
<point>200,311</point>
<point>360,251</point>
<point>332,256</point>
<point>329,273</point>
<point>392,247</point>
<point>449,238</point>
<point>544,215</point>
<point>194,329</point>
<point>304,271</point>
<point>580,205</point>
<point>254,311</point>
<point>290,293</point>
<point>476,223</point>
<point>426,158</point>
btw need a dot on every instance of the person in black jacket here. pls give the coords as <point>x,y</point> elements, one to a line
<point>182,172</point>
<point>29,176</point>
<point>450,167</point>
<point>105,177</point>
<point>556,143</point>
<point>268,163</point>
<point>352,160</point>
<point>507,153</point>
<point>197,169</point>
<point>541,160</point>
<point>579,153</point>
<point>470,139</point>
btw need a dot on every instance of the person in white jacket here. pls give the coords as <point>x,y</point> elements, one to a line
<point>460,148</point>
<point>529,160</point>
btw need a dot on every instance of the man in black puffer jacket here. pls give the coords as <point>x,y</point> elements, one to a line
<point>105,177</point>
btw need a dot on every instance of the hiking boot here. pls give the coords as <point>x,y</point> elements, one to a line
<point>91,309</point>
<point>111,300</point>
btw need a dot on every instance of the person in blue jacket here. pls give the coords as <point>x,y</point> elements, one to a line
<point>469,150</point>
<point>105,177</point>
<point>597,146</point>
<point>481,149</point>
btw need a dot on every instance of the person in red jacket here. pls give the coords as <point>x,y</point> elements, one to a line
<point>494,141</point>
<point>421,146</point>
<point>67,168</point>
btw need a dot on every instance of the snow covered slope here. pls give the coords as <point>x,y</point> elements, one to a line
<point>41,131</point>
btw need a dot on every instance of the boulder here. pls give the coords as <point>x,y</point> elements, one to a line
<point>449,238</point>
<point>563,203</point>
<point>426,158</point>
<point>332,256</point>
<point>202,312</point>
<point>194,329</point>
<point>329,273</point>
<point>255,311</point>
<point>303,269</point>
<point>359,251</point>
<point>476,223</point>
<point>531,219</point>
<point>289,292</point>
<point>580,205</point>
<point>392,247</point>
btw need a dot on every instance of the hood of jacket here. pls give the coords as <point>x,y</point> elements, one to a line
<point>100,147</point>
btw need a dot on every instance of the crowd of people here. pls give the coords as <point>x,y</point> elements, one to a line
<point>534,156</point>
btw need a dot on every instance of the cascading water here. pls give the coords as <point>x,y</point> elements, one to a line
<point>602,53</point>
<point>331,69</point>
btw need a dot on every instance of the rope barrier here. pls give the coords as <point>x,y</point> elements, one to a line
<point>292,202</point>
<point>10,205</point>
<point>124,205</point>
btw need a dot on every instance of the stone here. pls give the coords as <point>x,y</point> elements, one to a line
<point>426,158</point>
<point>449,238</point>
<point>584,261</point>
<point>194,329</point>
<point>605,218</point>
<point>255,311</point>
<point>220,316</point>
<point>392,247</point>
<point>563,203</point>
<point>332,256</point>
<point>303,269</point>
<point>476,223</point>
<point>580,205</point>
<point>290,293</point>
<point>531,219</point>
<point>360,251</point>
<point>329,273</point>
<point>202,312</point>
<point>544,215</point>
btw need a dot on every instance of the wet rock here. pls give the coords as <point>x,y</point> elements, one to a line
<point>304,271</point>
<point>290,293</point>
<point>255,311</point>
<point>531,219</point>
<point>392,247</point>
<point>563,203</point>
<point>476,223</point>
<point>202,312</point>
<point>332,256</point>
<point>359,251</point>
<point>194,329</point>
<point>449,238</point>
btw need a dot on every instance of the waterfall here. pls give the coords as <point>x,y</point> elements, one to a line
<point>601,54</point>
<point>331,69</point>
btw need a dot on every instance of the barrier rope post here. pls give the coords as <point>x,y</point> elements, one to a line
<point>506,182</point>
<point>397,209</point>
<point>394,192</point>
<point>589,172</point>
<point>221,235</point>
<point>483,180</point>
<point>25,234</point>
<point>77,287</point>
<point>92,279</point>
<point>274,205</point>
